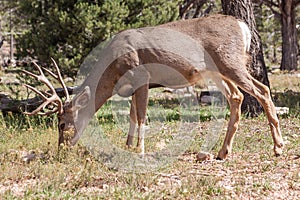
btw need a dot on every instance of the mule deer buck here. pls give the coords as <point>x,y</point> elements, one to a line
<point>176,54</point>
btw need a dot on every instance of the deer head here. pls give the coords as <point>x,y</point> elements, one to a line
<point>67,110</point>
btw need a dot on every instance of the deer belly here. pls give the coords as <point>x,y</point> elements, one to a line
<point>168,76</point>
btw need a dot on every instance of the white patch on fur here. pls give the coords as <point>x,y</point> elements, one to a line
<point>132,128</point>
<point>246,35</point>
<point>143,129</point>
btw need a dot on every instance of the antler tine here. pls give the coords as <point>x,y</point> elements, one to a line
<point>60,79</point>
<point>30,74</point>
<point>38,68</point>
<point>40,77</point>
<point>51,73</point>
<point>36,91</point>
<point>52,99</point>
<point>41,107</point>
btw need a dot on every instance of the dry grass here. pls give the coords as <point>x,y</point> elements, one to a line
<point>251,172</point>
<point>285,81</point>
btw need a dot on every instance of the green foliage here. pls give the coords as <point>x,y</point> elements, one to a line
<point>9,18</point>
<point>69,30</point>
<point>268,26</point>
<point>174,115</point>
<point>290,99</point>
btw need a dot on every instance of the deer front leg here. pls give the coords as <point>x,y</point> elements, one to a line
<point>141,95</point>
<point>133,121</point>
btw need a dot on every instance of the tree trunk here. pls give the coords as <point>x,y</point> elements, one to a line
<point>243,9</point>
<point>289,36</point>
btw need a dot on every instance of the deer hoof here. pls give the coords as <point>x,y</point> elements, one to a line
<point>278,150</point>
<point>222,155</point>
<point>129,141</point>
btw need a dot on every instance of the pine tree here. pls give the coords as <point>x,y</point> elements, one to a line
<point>68,30</point>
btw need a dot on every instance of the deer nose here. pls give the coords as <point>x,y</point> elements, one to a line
<point>62,126</point>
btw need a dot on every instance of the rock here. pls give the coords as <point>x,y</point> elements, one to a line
<point>68,80</point>
<point>204,156</point>
<point>209,100</point>
<point>282,110</point>
<point>276,71</point>
<point>29,157</point>
<point>9,80</point>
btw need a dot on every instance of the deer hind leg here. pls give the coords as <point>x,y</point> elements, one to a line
<point>235,99</point>
<point>262,94</point>
<point>133,121</point>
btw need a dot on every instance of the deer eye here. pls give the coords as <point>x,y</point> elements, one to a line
<point>62,126</point>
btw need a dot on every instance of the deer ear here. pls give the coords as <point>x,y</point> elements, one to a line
<point>82,99</point>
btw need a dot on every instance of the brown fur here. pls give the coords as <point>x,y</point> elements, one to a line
<point>222,40</point>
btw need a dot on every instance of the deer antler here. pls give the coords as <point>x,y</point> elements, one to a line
<point>48,97</point>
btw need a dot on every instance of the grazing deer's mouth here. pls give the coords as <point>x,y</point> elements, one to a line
<point>66,137</point>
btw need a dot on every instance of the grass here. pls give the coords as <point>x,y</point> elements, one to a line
<point>251,172</point>
<point>286,93</point>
